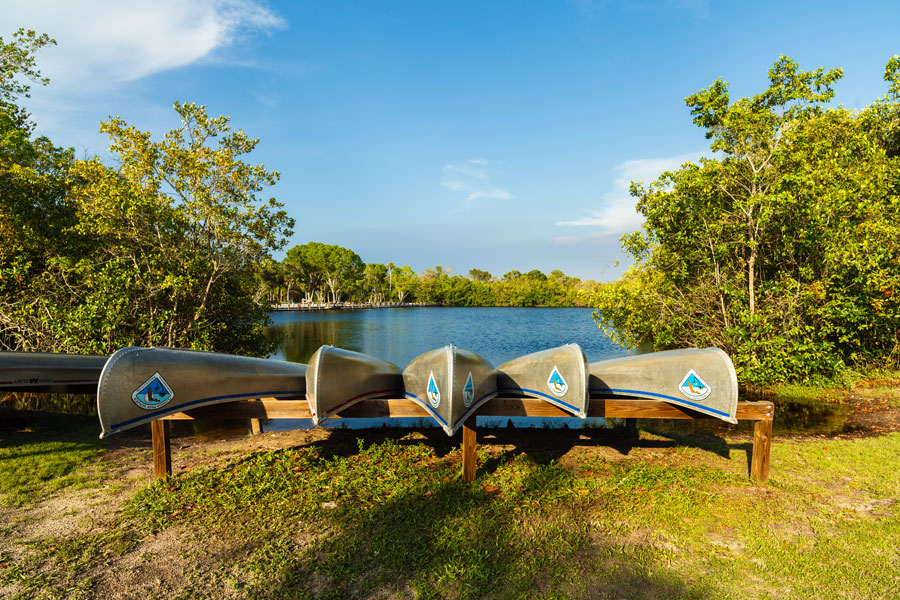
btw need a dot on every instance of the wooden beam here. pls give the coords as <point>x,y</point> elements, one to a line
<point>162,449</point>
<point>621,408</point>
<point>468,450</point>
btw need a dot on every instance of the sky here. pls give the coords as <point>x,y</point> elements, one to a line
<point>498,135</point>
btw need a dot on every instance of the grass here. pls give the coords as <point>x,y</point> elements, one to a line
<point>43,453</point>
<point>390,518</point>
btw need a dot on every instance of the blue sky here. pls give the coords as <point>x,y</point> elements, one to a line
<point>494,135</point>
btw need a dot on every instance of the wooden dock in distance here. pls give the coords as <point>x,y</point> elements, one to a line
<point>761,413</point>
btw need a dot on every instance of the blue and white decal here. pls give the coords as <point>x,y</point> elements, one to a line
<point>468,391</point>
<point>694,388</point>
<point>153,393</point>
<point>433,393</point>
<point>557,384</point>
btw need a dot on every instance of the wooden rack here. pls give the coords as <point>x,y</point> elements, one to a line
<point>760,412</point>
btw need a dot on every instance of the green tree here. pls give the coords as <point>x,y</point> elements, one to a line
<point>176,233</point>
<point>479,275</point>
<point>376,281</point>
<point>406,283</point>
<point>35,219</point>
<point>759,251</point>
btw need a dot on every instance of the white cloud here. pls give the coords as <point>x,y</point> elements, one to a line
<point>472,179</point>
<point>102,42</point>
<point>616,214</point>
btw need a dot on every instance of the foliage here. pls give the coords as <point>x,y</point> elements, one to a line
<point>782,249</point>
<point>163,250</point>
<point>313,267</point>
<point>34,215</point>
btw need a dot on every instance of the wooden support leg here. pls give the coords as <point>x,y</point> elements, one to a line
<point>468,450</point>
<point>631,429</point>
<point>162,450</point>
<point>762,446</point>
<point>256,426</point>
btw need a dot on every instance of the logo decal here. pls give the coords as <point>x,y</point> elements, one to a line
<point>557,384</point>
<point>433,393</point>
<point>153,393</point>
<point>693,387</point>
<point>469,391</point>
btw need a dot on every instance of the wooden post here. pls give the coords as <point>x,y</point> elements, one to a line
<point>468,450</point>
<point>256,426</point>
<point>162,450</point>
<point>762,447</point>
<point>631,431</point>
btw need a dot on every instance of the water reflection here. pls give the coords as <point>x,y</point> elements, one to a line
<point>401,334</point>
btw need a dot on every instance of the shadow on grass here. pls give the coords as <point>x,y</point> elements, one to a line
<point>543,446</point>
<point>452,540</point>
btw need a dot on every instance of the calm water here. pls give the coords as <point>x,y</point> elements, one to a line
<point>401,334</point>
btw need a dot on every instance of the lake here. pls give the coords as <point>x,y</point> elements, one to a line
<point>401,334</point>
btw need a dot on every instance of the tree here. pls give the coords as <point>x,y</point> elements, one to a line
<point>405,282</point>
<point>35,220</point>
<point>759,250</point>
<point>305,265</point>
<point>479,275</point>
<point>376,276</point>
<point>176,233</point>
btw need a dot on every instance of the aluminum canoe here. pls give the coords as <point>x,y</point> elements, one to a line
<point>139,385</point>
<point>557,375</point>
<point>703,380</point>
<point>48,372</point>
<point>338,378</point>
<point>450,383</point>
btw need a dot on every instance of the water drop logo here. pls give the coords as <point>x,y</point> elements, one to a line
<point>556,383</point>
<point>469,391</point>
<point>694,388</point>
<point>433,393</point>
<point>153,393</point>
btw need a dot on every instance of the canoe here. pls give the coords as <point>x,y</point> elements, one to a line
<point>338,378</point>
<point>450,383</point>
<point>139,385</point>
<point>558,376</point>
<point>48,372</point>
<point>703,380</point>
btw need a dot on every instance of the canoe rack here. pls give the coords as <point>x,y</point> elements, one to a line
<point>629,409</point>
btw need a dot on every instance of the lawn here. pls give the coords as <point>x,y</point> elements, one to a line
<point>569,514</point>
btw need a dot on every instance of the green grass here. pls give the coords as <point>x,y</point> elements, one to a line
<point>392,519</point>
<point>43,453</point>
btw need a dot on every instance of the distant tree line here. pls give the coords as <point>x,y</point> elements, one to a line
<point>316,272</point>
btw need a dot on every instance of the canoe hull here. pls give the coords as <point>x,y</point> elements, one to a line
<point>450,383</point>
<point>557,375</point>
<point>139,385</point>
<point>47,372</point>
<point>337,379</point>
<point>703,380</point>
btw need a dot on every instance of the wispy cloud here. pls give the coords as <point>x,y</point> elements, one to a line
<point>472,179</point>
<point>104,42</point>
<point>616,214</point>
